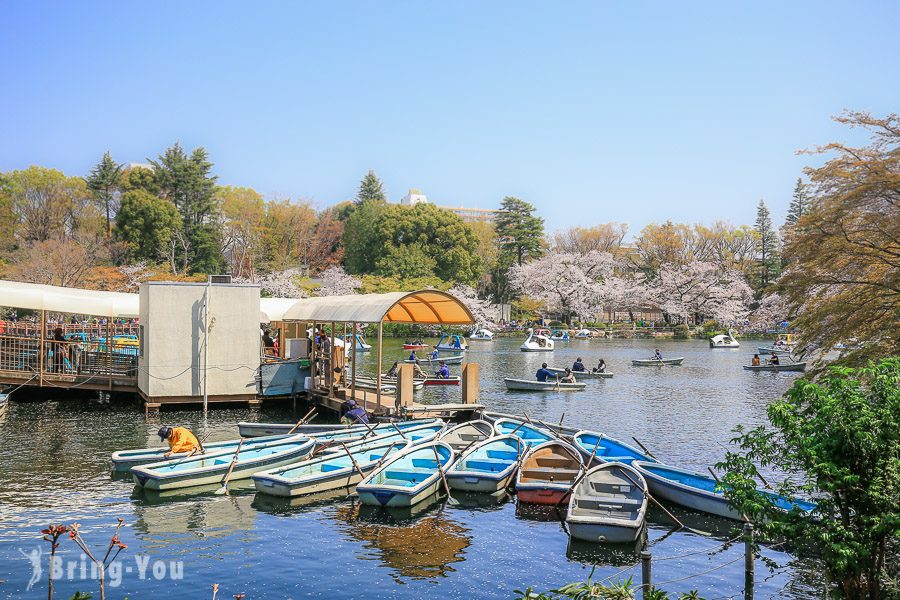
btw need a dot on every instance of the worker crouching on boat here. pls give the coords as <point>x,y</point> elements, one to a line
<point>354,414</point>
<point>180,439</point>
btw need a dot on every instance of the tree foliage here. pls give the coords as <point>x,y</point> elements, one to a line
<point>766,246</point>
<point>147,225</point>
<point>838,441</point>
<point>606,237</point>
<point>844,278</point>
<point>371,189</point>
<point>520,238</point>
<point>103,181</point>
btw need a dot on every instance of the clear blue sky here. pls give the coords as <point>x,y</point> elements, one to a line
<point>592,111</point>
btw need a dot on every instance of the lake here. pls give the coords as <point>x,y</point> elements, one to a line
<point>54,467</point>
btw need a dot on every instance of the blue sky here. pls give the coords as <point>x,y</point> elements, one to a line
<point>593,111</point>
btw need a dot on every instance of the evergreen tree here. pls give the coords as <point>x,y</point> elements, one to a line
<point>799,204</point>
<point>370,188</point>
<point>520,237</point>
<point>146,223</point>
<point>104,183</point>
<point>186,182</point>
<point>766,246</point>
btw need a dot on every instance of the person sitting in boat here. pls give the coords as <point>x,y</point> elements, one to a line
<point>434,354</point>
<point>412,356</point>
<point>456,343</point>
<point>569,377</point>
<point>774,360</point>
<point>658,355</point>
<point>544,373</point>
<point>355,414</point>
<point>755,361</point>
<point>578,366</point>
<point>392,372</point>
<point>601,367</point>
<point>418,372</point>
<point>443,372</point>
<point>180,439</point>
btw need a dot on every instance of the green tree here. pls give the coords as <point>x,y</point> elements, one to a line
<point>138,178</point>
<point>766,246</point>
<point>103,181</point>
<point>185,180</point>
<point>838,440</point>
<point>799,203</point>
<point>370,188</point>
<point>359,235</point>
<point>520,236</point>
<point>147,225</point>
<point>406,262</point>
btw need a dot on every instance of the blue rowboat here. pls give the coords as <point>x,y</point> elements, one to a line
<point>527,433</point>
<point>408,478</point>
<point>124,460</point>
<point>609,504</point>
<point>609,450</point>
<point>488,466</point>
<point>203,470</point>
<point>415,435</point>
<point>260,429</point>
<point>461,437</point>
<point>698,491</point>
<point>328,472</point>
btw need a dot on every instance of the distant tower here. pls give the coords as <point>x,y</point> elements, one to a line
<point>413,197</point>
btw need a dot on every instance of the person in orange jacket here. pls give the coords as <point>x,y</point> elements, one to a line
<point>180,439</point>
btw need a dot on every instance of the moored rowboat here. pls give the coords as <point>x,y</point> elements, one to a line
<point>608,450</point>
<point>202,470</point>
<point>609,504</point>
<point>461,436</point>
<point>530,385</point>
<point>408,477</point>
<point>652,362</point>
<point>547,473</point>
<point>261,429</point>
<point>488,467</point>
<point>414,435</point>
<point>799,366</point>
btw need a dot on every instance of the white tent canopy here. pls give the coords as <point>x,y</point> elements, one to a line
<point>15,294</point>
<point>425,306</point>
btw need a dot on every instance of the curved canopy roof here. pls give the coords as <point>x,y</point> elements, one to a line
<point>34,296</point>
<point>426,306</point>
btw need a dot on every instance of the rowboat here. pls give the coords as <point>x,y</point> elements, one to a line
<point>387,383</point>
<point>652,362</point>
<point>488,467</point>
<point>419,383</point>
<point>481,335</point>
<point>799,366</point>
<point>608,505</point>
<point>124,460</point>
<point>328,443</point>
<point>261,429</point>
<point>451,343</point>
<point>529,434</point>
<point>698,491</point>
<point>408,477</point>
<point>461,436</point>
<point>202,470</point>
<point>724,340</point>
<point>531,385</point>
<point>785,351</point>
<point>608,450</point>
<point>582,374</point>
<point>414,346</point>
<point>449,360</point>
<point>327,472</point>
<point>537,341</point>
<point>547,473</point>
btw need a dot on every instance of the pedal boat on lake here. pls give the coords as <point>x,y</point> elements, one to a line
<point>203,470</point>
<point>538,340</point>
<point>487,467</point>
<point>724,340</point>
<point>327,472</point>
<point>548,472</point>
<point>451,343</point>
<point>609,504</point>
<point>407,478</point>
<point>609,449</point>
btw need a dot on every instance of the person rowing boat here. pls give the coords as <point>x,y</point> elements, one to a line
<point>657,355</point>
<point>443,372</point>
<point>578,366</point>
<point>544,373</point>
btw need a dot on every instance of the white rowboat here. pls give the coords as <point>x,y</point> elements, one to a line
<point>530,385</point>
<point>609,505</point>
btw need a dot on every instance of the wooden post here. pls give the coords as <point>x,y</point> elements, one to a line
<point>312,357</point>
<point>42,349</point>
<point>404,385</point>
<point>380,353</point>
<point>331,362</point>
<point>353,366</point>
<point>470,383</point>
<point>646,574</point>
<point>749,560</point>
<point>110,360</point>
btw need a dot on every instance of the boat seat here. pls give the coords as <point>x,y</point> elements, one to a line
<point>603,487</point>
<point>594,502</point>
<point>553,461</point>
<point>471,437</point>
<point>486,464</point>
<point>503,454</point>
<point>546,473</point>
<point>332,467</point>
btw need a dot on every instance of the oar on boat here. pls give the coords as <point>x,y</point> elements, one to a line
<point>234,459</point>
<point>353,460</point>
<point>580,476</point>
<point>644,448</point>
<point>394,425</point>
<point>450,499</point>
<point>303,420</point>
<point>655,502</point>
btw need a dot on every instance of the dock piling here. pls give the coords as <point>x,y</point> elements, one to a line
<point>646,574</point>
<point>749,561</point>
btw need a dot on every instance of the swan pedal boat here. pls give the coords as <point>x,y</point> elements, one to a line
<point>461,436</point>
<point>488,467</point>
<point>250,430</point>
<point>652,362</point>
<point>328,472</point>
<point>537,341</point>
<point>203,470</point>
<point>124,460</point>
<point>609,449</point>
<point>800,366</point>
<point>547,473</point>
<point>609,504</point>
<point>582,374</point>
<point>529,434</point>
<point>699,492</point>
<point>407,478</point>
<point>531,385</point>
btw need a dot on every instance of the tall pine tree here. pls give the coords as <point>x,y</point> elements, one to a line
<point>104,183</point>
<point>766,246</point>
<point>370,188</point>
<point>520,236</point>
<point>799,203</point>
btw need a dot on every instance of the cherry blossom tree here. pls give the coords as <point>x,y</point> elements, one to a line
<point>702,289</point>
<point>772,310</point>
<point>282,284</point>
<point>482,310</point>
<point>336,282</point>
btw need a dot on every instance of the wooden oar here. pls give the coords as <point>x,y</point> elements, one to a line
<point>353,460</point>
<point>644,448</point>
<point>450,499</point>
<point>234,459</point>
<point>302,421</point>
<point>394,425</point>
<point>580,476</point>
<point>655,502</point>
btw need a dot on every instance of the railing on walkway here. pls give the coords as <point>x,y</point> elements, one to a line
<point>91,328</point>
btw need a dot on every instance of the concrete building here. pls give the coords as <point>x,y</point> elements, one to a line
<point>413,197</point>
<point>469,215</point>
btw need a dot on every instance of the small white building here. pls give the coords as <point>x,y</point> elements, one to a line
<point>413,197</point>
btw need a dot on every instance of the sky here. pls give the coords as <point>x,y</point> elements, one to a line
<point>633,112</point>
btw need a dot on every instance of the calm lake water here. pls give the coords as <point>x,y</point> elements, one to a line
<point>54,467</point>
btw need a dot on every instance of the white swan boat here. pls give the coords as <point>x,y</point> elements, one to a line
<point>724,340</point>
<point>537,341</point>
<point>482,335</point>
<point>583,334</point>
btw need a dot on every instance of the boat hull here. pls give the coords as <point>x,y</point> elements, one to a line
<point>470,481</point>
<point>124,460</point>
<point>693,498</point>
<point>583,374</point>
<point>602,532</point>
<point>657,363</point>
<point>779,351</point>
<point>774,368</point>
<point>396,498</point>
<point>542,494</point>
<point>518,385</point>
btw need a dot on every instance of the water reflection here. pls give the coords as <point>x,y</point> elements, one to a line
<point>614,555</point>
